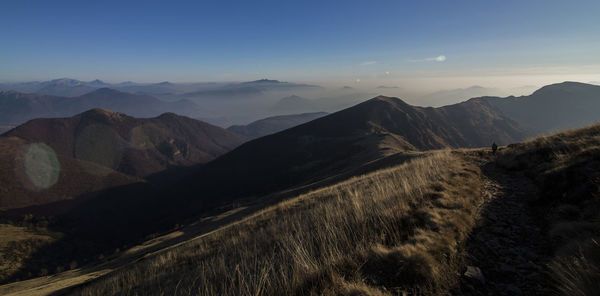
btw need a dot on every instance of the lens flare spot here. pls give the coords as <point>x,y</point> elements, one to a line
<point>41,165</point>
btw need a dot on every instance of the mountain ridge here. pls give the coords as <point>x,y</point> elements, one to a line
<point>551,108</point>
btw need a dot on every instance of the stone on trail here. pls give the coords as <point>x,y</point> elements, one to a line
<point>475,273</point>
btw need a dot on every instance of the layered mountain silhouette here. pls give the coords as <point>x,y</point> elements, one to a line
<point>16,108</point>
<point>271,125</point>
<point>100,152</point>
<point>323,147</point>
<point>66,87</point>
<point>134,146</point>
<point>246,89</point>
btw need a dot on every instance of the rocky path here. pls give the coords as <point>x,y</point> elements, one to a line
<point>506,251</point>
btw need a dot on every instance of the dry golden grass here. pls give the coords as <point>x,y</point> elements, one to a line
<point>566,168</point>
<point>17,244</point>
<point>393,230</point>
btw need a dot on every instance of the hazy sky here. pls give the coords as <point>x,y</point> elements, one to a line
<point>449,43</point>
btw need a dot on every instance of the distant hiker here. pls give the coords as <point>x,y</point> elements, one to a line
<point>494,148</point>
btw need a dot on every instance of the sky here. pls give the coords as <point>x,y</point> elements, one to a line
<point>394,43</point>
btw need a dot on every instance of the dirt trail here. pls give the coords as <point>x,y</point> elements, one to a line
<point>507,251</point>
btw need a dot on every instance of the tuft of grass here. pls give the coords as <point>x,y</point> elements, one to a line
<point>579,275</point>
<point>393,231</point>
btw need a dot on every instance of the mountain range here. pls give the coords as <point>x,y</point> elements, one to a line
<point>17,108</point>
<point>348,139</point>
<point>280,155</point>
<point>101,171</point>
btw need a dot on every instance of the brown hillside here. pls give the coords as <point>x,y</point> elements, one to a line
<point>134,146</point>
<point>31,174</point>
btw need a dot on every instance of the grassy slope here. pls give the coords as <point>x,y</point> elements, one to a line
<point>566,169</point>
<point>17,244</point>
<point>390,230</point>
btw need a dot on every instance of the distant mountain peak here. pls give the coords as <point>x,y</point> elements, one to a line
<point>476,87</point>
<point>102,114</point>
<point>566,85</point>
<point>100,110</point>
<point>170,115</point>
<point>97,82</point>
<point>387,99</point>
<point>264,80</point>
<point>66,81</point>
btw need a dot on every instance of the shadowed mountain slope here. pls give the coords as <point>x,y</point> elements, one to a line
<point>33,174</point>
<point>130,145</point>
<point>273,124</point>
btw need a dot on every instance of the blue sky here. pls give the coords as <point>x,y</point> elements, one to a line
<point>343,41</point>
